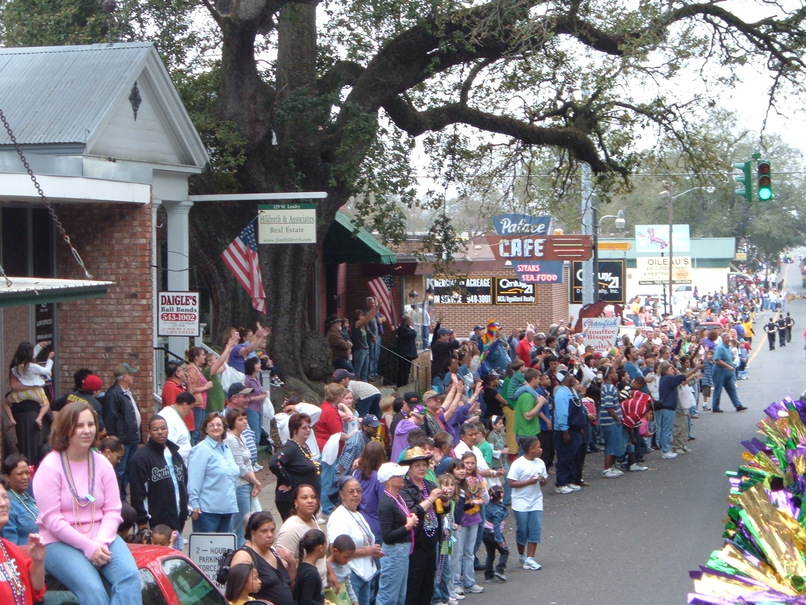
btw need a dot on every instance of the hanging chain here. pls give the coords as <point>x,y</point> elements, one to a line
<point>44,199</point>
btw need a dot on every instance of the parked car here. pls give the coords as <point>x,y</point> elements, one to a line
<point>168,577</point>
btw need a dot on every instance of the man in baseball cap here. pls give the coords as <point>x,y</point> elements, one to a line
<point>366,396</point>
<point>357,442</point>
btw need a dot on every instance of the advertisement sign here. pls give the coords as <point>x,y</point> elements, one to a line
<point>43,322</point>
<point>521,224</point>
<point>539,272</point>
<point>510,291</point>
<point>550,247</point>
<point>656,270</point>
<point>654,239</point>
<point>469,291</point>
<point>178,314</point>
<point>611,281</point>
<point>286,224</point>
<point>601,332</point>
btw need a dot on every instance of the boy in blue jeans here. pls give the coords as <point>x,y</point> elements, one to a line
<point>495,512</point>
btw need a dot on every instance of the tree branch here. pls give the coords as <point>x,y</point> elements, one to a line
<point>573,139</point>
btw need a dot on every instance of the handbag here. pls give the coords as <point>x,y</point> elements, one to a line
<point>230,376</point>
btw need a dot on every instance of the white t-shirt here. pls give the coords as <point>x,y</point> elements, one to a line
<point>529,498</point>
<point>177,430</point>
<point>362,390</point>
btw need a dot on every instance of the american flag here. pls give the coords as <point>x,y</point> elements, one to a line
<point>242,259</point>
<point>383,290</point>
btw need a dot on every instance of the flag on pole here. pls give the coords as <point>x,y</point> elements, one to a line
<point>383,290</point>
<point>242,259</point>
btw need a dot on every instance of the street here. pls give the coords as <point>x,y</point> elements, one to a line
<point>633,539</point>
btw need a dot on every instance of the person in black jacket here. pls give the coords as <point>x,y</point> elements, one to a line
<point>122,419</point>
<point>157,476</point>
<point>443,348</point>
<point>406,348</point>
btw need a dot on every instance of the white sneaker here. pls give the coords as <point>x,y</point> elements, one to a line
<point>668,455</point>
<point>611,473</point>
<point>575,487</point>
<point>638,467</point>
<point>475,589</point>
<point>680,451</point>
<point>531,565</point>
<point>564,489</point>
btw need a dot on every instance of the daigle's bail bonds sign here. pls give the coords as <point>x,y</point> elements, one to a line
<point>536,256</point>
<point>178,314</point>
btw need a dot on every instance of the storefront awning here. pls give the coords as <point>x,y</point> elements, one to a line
<point>41,290</point>
<point>344,245</point>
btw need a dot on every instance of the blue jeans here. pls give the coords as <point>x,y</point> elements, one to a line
<point>370,405</point>
<point>467,573</point>
<point>362,588</point>
<point>213,523</point>
<point>253,417</point>
<point>361,364</point>
<point>73,569</point>
<point>725,380</point>
<point>341,363</point>
<point>528,526</point>
<point>243,494</point>
<point>443,584</point>
<point>665,428</point>
<point>394,574</point>
<point>198,419</point>
<point>374,356</point>
<point>328,477</point>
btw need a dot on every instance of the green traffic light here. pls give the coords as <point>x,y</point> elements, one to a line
<point>764,181</point>
<point>744,181</point>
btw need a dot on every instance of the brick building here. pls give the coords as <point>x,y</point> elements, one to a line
<point>110,142</point>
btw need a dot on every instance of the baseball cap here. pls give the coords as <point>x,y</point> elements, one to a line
<point>429,395</point>
<point>237,388</point>
<point>443,331</point>
<point>341,374</point>
<point>371,420</point>
<point>388,470</point>
<point>124,368</point>
<point>417,409</point>
<point>478,327</point>
<point>92,383</point>
<point>411,397</point>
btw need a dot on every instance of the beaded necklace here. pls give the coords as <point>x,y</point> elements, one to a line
<point>406,512</point>
<point>369,538</point>
<point>27,502</point>
<point>81,501</point>
<point>307,453</point>
<point>430,525</point>
<point>10,573</point>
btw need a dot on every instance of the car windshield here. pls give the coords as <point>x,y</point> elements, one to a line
<point>191,586</point>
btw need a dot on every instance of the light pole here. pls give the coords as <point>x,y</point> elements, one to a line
<point>668,194</point>
<point>621,222</point>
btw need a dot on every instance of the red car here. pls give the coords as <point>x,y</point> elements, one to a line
<point>168,577</point>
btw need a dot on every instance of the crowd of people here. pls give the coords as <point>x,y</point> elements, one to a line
<point>381,499</point>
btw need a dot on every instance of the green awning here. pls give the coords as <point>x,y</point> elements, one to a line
<point>343,244</point>
<point>41,290</point>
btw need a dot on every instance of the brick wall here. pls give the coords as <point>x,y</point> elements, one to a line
<point>115,243</point>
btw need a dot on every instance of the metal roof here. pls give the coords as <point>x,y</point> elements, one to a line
<point>344,244</point>
<point>35,290</point>
<point>61,94</point>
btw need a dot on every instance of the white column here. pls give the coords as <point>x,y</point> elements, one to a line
<point>178,259</point>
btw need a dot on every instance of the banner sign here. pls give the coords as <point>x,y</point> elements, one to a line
<point>469,291</point>
<point>656,270</point>
<point>510,291</point>
<point>550,247</point>
<point>521,224</point>
<point>611,281</point>
<point>654,239</point>
<point>178,314</point>
<point>286,224</point>
<point>539,272</point>
<point>601,332</point>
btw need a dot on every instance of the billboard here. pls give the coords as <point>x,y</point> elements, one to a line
<point>611,281</point>
<point>654,239</point>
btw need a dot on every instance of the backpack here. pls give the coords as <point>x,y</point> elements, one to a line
<point>224,563</point>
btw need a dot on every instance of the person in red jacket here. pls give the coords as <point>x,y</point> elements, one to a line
<point>175,384</point>
<point>633,410</point>
<point>329,424</point>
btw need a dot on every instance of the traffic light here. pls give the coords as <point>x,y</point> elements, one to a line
<point>744,181</point>
<point>764,181</point>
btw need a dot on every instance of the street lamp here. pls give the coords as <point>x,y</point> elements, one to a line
<point>621,222</point>
<point>667,193</point>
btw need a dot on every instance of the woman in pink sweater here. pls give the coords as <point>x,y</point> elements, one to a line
<point>77,493</point>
